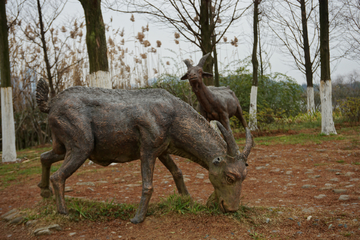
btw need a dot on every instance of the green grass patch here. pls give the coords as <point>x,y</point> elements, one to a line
<point>15,173</point>
<point>340,161</point>
<point>356,163</point>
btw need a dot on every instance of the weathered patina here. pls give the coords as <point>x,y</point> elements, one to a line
<point>119,126</point>
<point>216,103</point>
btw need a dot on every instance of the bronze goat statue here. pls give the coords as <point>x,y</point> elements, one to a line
<point>215,103</point>
<point>106,126</point>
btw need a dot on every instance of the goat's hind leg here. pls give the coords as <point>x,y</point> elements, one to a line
<point>73,160</point>
<point>47,159</point>
<point>175,172</point>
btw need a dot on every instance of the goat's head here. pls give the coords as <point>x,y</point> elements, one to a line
<point>196,73</point>
<point>228,172</point>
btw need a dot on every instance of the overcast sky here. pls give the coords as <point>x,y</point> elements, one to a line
<point>226,53</point>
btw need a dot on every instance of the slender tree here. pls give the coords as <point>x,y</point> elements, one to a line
<point>7,115</point>
<point>327,122</point>
<point>96,44</point>
<point>283,19</point>
<point>255,64</point>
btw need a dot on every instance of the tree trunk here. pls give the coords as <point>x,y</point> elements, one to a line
<point>216,68</point>
<point>327,122</point>
<point>7,115</point>
<point>96,44</point>
<point>308,63</point>
<point>206,40</point>
<point>44,47</point>
<point>255,63</point>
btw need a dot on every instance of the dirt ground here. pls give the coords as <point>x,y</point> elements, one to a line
<point>284,179</point>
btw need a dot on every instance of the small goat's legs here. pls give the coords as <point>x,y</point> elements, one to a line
<point>147,171</point>
<point>73,160</point>
<point>47,159</point>
<point>175,172</point>
<point>240,116</point>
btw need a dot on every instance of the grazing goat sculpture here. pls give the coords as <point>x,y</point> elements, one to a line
<point>216,103</point>
<point>107,126</point>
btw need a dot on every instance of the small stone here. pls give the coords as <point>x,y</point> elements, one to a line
<point>72,234</point>
<point>330,226</point>
<point>91,189</point>
<point>299,232</point>
<point>267,220</point>
<point>344,197</point>
<point>334,179</point>
<point>334,170</point>
<point>308,210</point>
<point>275,170</point>
<point>9,213</point>
<point>349,186</point>
<point>315,176</point>
<point>200,176</point>
<point>11,216</point>
<point>56,227</point>
<point>309,218</point>
<point>338,173</point>
<point>31,223</point>
<point>339,190</point>
<point>85,184</point>
<point>102,182</point>
<point>320,196</point>
<point>348,174</point>
<point>354,179</point>
<point>291,184</point>
<point>261,167</point>
<point>42,231</point>
<point>308,186</point>
<point>68,189</point>
<point>187,179</point>
<point>17,220</point>
<point>207,181</point>
<point>288,172</point>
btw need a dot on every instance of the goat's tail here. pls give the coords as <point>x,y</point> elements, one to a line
<point>42,92</point>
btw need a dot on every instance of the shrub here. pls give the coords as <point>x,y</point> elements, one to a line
<point>350,109</point>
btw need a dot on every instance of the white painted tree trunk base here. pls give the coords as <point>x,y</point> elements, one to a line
<point>8,126</point>
<point>310,100</point>
<point>100,79</point>
<point>253,107</point>
<point>327,122</point>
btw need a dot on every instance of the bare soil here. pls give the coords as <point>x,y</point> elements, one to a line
<point>274,189</point>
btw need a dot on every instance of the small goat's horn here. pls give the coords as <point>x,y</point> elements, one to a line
<point>249,143</point>
<point>188,64</point>
<point>202,60</point>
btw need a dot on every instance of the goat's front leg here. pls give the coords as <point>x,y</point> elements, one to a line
<point>147,170</point>
<point>175,172</point>
<point>47,159</point>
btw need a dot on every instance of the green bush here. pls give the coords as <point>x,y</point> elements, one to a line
<point>350,109</point>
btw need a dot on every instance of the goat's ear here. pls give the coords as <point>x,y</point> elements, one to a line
<point>184,77</point>
<point>206,74</point>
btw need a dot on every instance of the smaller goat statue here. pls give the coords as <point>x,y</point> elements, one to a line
<point>216,103</point>
<point>108,125</point>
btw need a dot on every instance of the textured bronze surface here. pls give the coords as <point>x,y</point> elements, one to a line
<point>216,103</point>
<point>119,126</point>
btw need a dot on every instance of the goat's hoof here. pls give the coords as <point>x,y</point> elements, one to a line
<point>46,193</point>
<point>63,211</point>
<point>136,220</point>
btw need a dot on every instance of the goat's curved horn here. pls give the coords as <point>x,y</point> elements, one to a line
<point>188,64</point>
<point>232,147</point>
<point>249,144</point>
<point>202,60</point>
